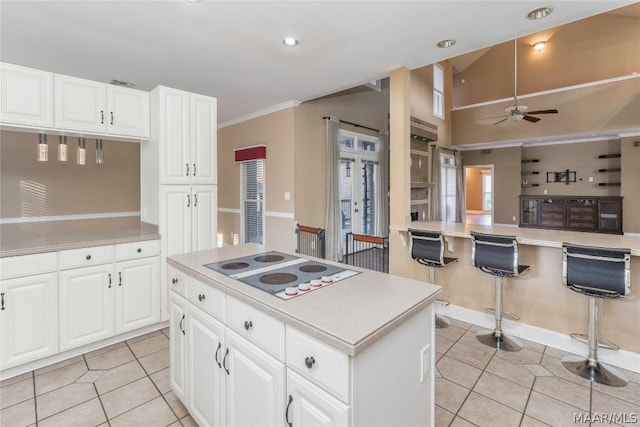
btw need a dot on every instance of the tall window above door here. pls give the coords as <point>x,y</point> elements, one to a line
<point>438,91</point>
<point>252,201</point>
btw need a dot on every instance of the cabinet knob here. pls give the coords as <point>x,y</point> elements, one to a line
<point>139,250</point>
<point>174,280</point>
<point>201,297</point>
<point>248,325</point>
<point>309,362</point>
<point>88,257</point>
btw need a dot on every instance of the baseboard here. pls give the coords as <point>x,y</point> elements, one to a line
<point>621,358</point>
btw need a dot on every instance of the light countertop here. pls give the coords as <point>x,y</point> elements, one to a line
<point>529,236</point>
<point>38,237</point>
<point>348,315</point>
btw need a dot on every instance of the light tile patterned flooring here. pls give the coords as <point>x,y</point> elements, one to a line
<point>127,384</point>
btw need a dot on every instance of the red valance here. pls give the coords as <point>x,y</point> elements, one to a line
<point>246,154</point>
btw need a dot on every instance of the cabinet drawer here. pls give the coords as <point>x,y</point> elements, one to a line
<point>581,217</point>
<point>551,207</point>
<point>135,250</point>
<point>85,257</point>
<point>256,326</point>
<point>27,265</point>
<point>319,362</point>
<point>552,222</point>
<point>205,297</point>
<point>586,225</point>
<point>177,281</point>
<point>581,209</point>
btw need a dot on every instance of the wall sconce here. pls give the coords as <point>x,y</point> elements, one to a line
<point>81,154</point>
<point>99,153</point>
<point>539,46</point>
<point>62,149</point>
<point>43,148</point>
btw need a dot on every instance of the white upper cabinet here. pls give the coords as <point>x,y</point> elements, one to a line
<point>187,137</point>
<point>85,105</point>
<point>26,96</point>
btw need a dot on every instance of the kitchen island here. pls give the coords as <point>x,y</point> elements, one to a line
<point>357,352</point>
<point>549,312</point>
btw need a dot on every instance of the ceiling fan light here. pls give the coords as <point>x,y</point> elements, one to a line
<point>540,13</point>
<point>539,46</point>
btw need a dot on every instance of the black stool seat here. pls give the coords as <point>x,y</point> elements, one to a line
<point>597,273</point>
<point>427,248</point>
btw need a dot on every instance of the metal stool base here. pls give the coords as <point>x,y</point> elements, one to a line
<point>501,342</point>
<point>594,371</point>
<point>442,321</point>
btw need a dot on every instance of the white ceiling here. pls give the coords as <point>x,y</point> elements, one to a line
<point>233,49</point>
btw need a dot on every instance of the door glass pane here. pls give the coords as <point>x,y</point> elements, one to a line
<point>366,145</point>
<point>345,141</point>
<point>448,188</point>
<point>346,194</point>
<point>368,206</point>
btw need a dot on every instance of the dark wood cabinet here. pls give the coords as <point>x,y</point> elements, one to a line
<point>594,214</point>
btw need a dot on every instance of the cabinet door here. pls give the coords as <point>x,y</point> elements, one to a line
<point>177,346</point>
<point>86,298</point>
<point>27,96</point>
<point>79,104</point>
<point>175,134</point>
<point>28,319</point>
<point>128,112</point>
<point>255,385</point>
<point>312,406</point>
<point>204,225</point>
<point>204,131</point>
<point>137,293</point>
<point>206,375</point>
<point>175,219</point>
<point>610,215</point>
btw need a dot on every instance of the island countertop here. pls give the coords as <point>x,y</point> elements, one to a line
<point>529,236</point>
<point>38,237</point>
<point>348,315</point>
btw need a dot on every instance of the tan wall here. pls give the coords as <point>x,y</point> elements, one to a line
<point>32,188</point>
<point>276,132</point>
<point>473,188</point>
<point>630,188</point>
<point>506,180</point>
<point>596,48</point>
<point>421,99</point>
<point>359,105</point>
<point>581,158</point>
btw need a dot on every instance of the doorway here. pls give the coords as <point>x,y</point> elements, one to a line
<point>479,194</point>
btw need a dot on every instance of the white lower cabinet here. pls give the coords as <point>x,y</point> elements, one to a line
<point>137,293</point>
<point>308,405</point>
<point>28,319</point>
<point>178,345</point>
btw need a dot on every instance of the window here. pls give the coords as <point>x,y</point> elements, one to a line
<point>252,201</point>
<point>448,187</point>
<point>486,191</point>
<point>438,91</point>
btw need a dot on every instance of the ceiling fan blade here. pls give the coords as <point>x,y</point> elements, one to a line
<point>500,121</point>
<point>554,111</point>
<point>494,117</point>
<point>530,119</point>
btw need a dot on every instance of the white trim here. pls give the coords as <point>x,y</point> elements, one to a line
<point>229,210</point>
<point>548,92</point>
<point>554,140</point>
<point>274,108</point>
<point>621,358</point>
<point>279,214</point>
<point>23,219</point>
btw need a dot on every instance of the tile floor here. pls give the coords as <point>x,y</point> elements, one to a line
<point>127,384</point>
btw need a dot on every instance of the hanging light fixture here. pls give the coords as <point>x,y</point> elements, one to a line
<point>99,152</point>
<point>81,153</point>
<point>63,149</point>
<point>43,148</point>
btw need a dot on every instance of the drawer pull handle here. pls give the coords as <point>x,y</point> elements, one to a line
<point>218,351</point>
<point>201,297</point>
<point>2,295</point>
<point>111,117</point>
<point>224,361</point>
<point>174,281</point>
<point>309,362</point>
<point>88,257</point>
<point>187,169</point>
<point>101,117</point>
<point>248,325</point>
<point>139,250</point>
<point>119,278</point>
<point>181,322</point>
<point>109,280</point>
<point>286,412</point>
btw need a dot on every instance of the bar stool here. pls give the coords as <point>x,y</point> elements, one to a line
<point>498,256</point>
<point>427,248</point>
<point>597,273</point>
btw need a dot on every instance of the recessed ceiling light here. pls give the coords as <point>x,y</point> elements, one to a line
<point>539,13</point>
<point>445,43</point>
<point>539,46</point>
<point>290,42</point>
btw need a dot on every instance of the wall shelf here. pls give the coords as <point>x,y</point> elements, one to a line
<point>609,184</point>
<point>530,161</point>
<point>525,173</point>
<point>610,156</point>
<point>610,170</point>
<point>530,185</point>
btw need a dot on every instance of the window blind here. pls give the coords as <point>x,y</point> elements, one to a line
<point>252,201</point>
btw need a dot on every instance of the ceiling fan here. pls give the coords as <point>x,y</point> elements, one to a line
<point>516,112</point>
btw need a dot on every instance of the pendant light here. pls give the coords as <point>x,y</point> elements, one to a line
<point>43,148</point>
<point>99,153</point>
<point>81,154</point>
<point>63,149</point>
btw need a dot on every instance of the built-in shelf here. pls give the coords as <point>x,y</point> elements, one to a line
<point>531,185</point>
<point>610,170</point>
<point>610,156</point>
<point>609,184</point>
<point>530,160</point>
<point>422,185</point>
<point>524,173</point>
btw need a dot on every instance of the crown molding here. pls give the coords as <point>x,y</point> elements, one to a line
<point>272,109</point>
